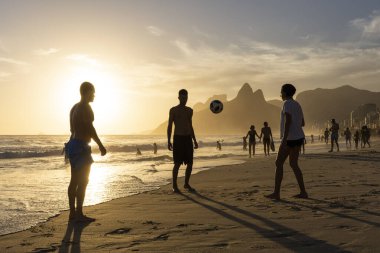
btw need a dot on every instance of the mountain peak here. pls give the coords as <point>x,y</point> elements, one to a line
<point>245,90</point>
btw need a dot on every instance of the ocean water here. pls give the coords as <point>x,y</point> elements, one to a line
<point>34,175</point>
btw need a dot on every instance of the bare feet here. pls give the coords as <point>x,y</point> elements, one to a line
<point>273,196</point>
<point>189,188</point>
<point>176,190</point>
<point>302,195</point>
<point>84,218</point>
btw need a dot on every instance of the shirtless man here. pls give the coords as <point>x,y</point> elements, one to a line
<point>266,133</point>
<point>183,138</point>
<point>79,152</point>
<point>252,140</point>
<point>334,129</point>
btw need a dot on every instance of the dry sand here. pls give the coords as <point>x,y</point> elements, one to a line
<point>230,214</point>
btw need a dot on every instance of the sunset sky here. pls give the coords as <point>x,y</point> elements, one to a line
<point>138,54</point>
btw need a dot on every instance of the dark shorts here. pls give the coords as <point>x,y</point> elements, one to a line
<point>334,137</point>
<point>266,141</point>
<point>295,143</point>
<point>79,153</point>
<point>183,150</point>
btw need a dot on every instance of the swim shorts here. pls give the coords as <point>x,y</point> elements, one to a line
<point>79,153</point>
<point>183,150</point>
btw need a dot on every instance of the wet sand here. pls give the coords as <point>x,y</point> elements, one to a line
<point>229,213</point>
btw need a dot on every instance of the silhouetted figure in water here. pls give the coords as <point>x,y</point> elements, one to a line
<point>79,152</point>
<point>326,135</point>
<point>347,135</point>
<point>218,145</point>
<point>184,135</point>
<point>334,129</point>
<point>266,134</point>
<point>244,143</point>
<point>311,138</point>
<point>303,146</point>
<point>138,151</point>
<point>252,140</point>
<point>154,148</point>
<point>292,137</point>
<point>366,134</point>
<point>356,139</point>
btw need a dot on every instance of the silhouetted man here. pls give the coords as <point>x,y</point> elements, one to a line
<point>334,129</point>
<point>183,138</point>
<point>79,151</point>
<point>347,135</point>
<point>292,137</point>
<point>266,134</point>
<point>327,133</point>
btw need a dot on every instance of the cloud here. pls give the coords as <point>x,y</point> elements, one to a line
<point>84,59</point>
<point>369,27</point>
<point>4,74</point>
<point>263,65</point>
<point>183,46</point>
<point>155,30</point>
<point>45,52</point>
<point>12,61</point>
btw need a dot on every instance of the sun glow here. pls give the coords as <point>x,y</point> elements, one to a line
<point>108,94</point>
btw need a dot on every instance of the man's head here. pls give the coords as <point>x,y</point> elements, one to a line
<point>287,91</point>
<point>252,127</point>
<point>265,124</point>
<point>332,120</point>
<point>182,96</point>
<point>87,91</point>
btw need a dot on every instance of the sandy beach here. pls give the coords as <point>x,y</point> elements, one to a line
<point>229,213</point>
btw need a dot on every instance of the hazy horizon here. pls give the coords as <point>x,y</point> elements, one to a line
<point>138,54</point>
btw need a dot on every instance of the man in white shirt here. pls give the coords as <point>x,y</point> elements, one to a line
<point>292,137</point>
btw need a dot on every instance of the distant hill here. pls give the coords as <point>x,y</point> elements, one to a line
<point>321,105</point>
<point>247,108</point>
<point>276,102</point>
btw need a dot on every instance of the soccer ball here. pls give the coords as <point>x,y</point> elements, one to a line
<point>216,106</point>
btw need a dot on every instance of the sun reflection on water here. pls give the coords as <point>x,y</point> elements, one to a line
<point>100,177</point>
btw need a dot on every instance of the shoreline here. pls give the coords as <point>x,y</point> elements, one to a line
<point>240,196</point>
<point>230,160</point>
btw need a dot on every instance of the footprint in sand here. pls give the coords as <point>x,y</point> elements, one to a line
<point>149,222</point>
<point>119,231</point>
<point>162,237</point>
<point>221,245</point>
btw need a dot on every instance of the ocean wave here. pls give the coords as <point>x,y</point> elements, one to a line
<point>29,154</point>
<point>32,152</point>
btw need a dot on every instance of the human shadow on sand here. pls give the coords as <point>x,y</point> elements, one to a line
<point>338,214</point>
<point>72,246</point>
<point>285,236</point>
<point>351,157</point>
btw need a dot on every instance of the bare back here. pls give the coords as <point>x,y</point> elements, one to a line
<point>81,118</point>
<point>182,118</point>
